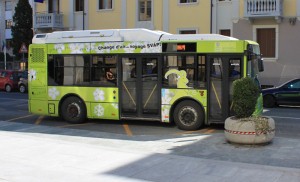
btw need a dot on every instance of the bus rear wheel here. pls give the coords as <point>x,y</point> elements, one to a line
<point>188,115</point>
<point>73,110</point>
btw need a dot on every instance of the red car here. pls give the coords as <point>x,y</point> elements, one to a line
<point>9,79</point>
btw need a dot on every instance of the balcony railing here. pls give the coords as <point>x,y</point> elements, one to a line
<point>48,20</point>
<point>262,8</point>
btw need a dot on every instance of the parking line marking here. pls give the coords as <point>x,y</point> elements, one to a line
<point>127,129</point>
<point>209,131</point>
<point>63,126</point>
<point>20,117</point>
<point>21,105</point>
<point>39,120</point>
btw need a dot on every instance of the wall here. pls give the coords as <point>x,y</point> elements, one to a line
<point>104,19</point>
<point>189,16</point>
<point>286,65</point>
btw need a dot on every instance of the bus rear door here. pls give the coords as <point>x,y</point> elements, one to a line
<point>223,70</point>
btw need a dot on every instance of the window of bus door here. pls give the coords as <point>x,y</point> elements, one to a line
<point>216,89</point>
<point>149,85</point>
<point>129,98</point>
<point>234,74</point>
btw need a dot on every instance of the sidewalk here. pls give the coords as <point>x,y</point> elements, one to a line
<point>41,153</point>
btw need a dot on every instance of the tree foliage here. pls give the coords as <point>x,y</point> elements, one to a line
<point>22,28</point>
<point>245,95</point>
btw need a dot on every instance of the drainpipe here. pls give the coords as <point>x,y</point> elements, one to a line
<point>83,16</point>
<point>211,14</point>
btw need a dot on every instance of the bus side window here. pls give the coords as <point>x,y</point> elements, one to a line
<point>169,63</point>
<point>201,80</point>
<point>51,76</point>
<point>58,70</point>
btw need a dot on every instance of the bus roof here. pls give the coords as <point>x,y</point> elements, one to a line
<point>120,35</point>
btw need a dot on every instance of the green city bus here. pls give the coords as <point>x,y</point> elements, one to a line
<point>138,74</point>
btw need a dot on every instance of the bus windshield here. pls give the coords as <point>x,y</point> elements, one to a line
<point>253,60</point>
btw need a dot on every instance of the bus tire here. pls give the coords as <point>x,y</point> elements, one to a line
<point>188,115</point>
<point>73,110</point>
<point>269,101</point>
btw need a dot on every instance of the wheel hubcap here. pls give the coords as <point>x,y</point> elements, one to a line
<point>8,88</point>
<point>22,89</point>
<point>188,115</point>
<point>73,110</point>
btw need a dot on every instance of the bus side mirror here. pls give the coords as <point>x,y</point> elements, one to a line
<point>260,65</point>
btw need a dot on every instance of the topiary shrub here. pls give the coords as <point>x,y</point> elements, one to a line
<point>245,95</point>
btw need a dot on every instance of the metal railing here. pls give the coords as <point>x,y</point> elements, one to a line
<point>262,8</point>
<point>48,20</point>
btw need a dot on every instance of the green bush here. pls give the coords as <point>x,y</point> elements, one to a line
<point>245,95</point>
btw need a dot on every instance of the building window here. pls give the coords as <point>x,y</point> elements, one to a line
<point>187,31</point>
<point>145,10</point>
<point>225,32</point>
<point>266,37</point>
<point>105,4</point>
<point>8,6</point>
<point>187,1</point>
<point>8,24</point>
<point>79,5</point>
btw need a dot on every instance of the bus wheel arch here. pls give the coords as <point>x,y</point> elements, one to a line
<point>188,114</point>
<point>72,109</point>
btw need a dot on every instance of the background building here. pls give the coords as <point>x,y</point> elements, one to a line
<point>174,16</point>
<point>272,23</point>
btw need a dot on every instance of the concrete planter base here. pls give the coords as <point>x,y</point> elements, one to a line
<point>243,132</point>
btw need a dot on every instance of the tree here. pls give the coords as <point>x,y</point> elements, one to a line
<point>22,28</point>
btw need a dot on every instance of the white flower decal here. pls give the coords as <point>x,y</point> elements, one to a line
<point>31,75</point>
<point>99,95</point>
<point>76,48</point>
<point>53,93</point>
<point>115,105</point>
<point>99,110</point>
<point>59,48</point>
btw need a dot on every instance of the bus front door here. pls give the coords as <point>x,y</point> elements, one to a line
<point>140,96</point>
<point>223,70</point>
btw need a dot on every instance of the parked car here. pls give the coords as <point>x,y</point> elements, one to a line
<point>9,79</point>
<point>23,82</point>
<point>286,94</point>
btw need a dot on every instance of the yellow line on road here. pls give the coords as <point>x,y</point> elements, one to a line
<point>39,120</point>
<point>127,129</point>
<point>209,131</point>
<point>74,125</point>
<point>20,117</point>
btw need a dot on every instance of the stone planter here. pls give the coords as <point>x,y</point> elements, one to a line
<point>245,132</point>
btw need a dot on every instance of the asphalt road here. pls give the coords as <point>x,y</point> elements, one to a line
<point>13,108</point>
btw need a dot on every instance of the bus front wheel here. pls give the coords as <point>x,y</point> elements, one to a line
<point>73,110</point>
<point>188,115</point>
